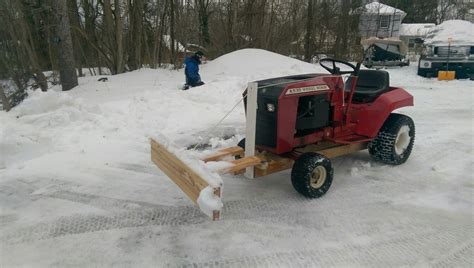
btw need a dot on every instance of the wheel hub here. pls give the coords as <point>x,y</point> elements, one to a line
<point>318,177</point>
<point>403,140</point>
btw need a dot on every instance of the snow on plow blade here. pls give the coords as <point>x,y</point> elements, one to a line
<point>202,186</point>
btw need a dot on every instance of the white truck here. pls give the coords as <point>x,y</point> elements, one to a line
<point>449,47</point>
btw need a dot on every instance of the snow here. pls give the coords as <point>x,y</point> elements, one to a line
<point>78,188</point>
<point>460,31</point>
<point>208,202</point>
<point>415,29</point>
<point>382,9</point>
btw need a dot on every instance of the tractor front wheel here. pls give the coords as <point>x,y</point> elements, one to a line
<point>395,140</point>
<point>312,175</point>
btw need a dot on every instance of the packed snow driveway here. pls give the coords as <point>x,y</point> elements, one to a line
<point>78,188</point>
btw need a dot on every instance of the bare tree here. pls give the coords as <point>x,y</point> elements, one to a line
<point>67,69</point>
<point>119,37</point>
<point>308,43</point>
<point>203,15</point>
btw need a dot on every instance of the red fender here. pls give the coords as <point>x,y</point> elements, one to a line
<point>371,116</point>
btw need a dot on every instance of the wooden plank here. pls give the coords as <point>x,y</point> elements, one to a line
<point>187,179</point>
<point>183,176</point>
<point>216,213</point>
<point>343,150</point>
<point>251,125</point>
<point>316,147</point>
<point>191,191</point>
<point>333,151</point>
<point>189,175</point>
<point>271,164</point>
<point>241,164</point>
<point>231,151</point>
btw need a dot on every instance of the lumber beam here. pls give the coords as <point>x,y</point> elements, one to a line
<point>272,163</point>
<point>181,174</point>
<point>219,155</point>
<point>343,150</point>
<point>241,164</point>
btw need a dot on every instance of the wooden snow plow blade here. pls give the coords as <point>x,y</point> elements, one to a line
<point>263,163</point>
<point>190,182</point>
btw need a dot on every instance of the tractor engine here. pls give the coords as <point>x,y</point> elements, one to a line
<point>290,107</point>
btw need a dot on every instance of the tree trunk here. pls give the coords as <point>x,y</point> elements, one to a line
<point>308,40</point>
<point>109,35</point>
<point>135,33</point>
<point>172,33</point>
<point>5,101</point>
<point>75,22</point>
<point>67,69</point>
<point>119,36</point>
<point>162,33</point>
<point>203,15</point>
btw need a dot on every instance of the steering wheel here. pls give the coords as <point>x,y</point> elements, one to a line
<point>337,70</point>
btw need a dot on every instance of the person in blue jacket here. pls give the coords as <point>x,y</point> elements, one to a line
<point>191,70</point>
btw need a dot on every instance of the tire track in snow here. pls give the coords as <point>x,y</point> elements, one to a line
<point>400,251</point>
<point>136,168</point>
<point>79,224</point>
<point>102,202</point>
<point>292,211</point>
<point>458,256</point>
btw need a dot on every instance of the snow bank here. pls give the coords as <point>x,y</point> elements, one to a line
<point>461,32</point>
<point>256,64</point>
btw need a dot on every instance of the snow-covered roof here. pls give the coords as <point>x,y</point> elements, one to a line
<point>461,32</point>
<point>415,29</point>
<point>382,9</point>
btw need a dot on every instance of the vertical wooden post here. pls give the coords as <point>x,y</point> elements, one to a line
<point>216,214</point>
<point>250,128</point>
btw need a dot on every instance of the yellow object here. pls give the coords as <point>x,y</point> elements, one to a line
<point>446,75</point>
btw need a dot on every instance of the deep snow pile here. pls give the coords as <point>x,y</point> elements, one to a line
<point>77,187</point>
<point>461,32</point>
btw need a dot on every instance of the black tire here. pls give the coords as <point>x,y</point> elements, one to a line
<point>394,143</point>
<point>241,143</point>
<point>303,175</point>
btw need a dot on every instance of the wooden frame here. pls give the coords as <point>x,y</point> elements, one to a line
<point>181,174</point>
<point>265,163</point>
<point>262,164</point>
<point>251,125</point>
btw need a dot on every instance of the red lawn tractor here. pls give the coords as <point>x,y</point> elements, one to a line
<point>302,121</point>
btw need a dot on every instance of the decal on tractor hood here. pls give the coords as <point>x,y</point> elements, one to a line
<point>299,90</point>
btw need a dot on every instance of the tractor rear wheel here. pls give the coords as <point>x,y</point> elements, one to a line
<point>395,140</point>
<point>312,175</point>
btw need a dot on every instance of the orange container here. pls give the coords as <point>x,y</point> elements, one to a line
<point>446,75</point>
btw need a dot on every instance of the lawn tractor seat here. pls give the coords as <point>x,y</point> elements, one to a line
<point>370,84</point>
